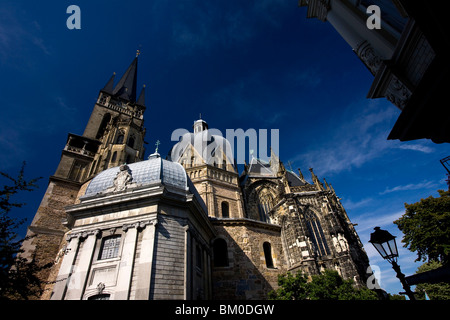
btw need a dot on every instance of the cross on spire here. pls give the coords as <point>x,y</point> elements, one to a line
<point>157,146</point>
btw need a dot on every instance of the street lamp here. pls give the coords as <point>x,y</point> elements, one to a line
<point>445,162</point>
<point>386,246</point>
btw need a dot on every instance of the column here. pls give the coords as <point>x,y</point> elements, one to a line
<point>65,269</point>
<point>126,263</point>
<point>346,31</point>
<point>353,29</point>
<point>211,202</point>
<point>77,281</point>
<point>146,260</point>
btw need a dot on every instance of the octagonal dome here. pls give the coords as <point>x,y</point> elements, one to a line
<point>206,144</point>
<point>151,171</point>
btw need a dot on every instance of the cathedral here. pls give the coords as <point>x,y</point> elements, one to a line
<point>184,226</point>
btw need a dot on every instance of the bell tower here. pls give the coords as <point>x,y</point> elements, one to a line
<point>117,123</point>
<point>113,135</point>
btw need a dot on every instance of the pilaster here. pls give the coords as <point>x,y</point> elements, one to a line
<point>77,281</point>
<point>122,290</point>
<point>66,268</point>
<point>146,259</point>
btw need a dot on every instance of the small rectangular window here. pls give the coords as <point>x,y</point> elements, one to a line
<point>110,248</point>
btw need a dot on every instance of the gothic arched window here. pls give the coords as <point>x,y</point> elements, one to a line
<point>225,210</point>
<point>316,234</point>
<point>131,142</point>
<point>220,252</point>
<point>120,138</point>
<point>265,205</point>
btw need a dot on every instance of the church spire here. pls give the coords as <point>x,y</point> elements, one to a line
<point>141,99</point>
<point>126,87</point>
<point>109,87</point>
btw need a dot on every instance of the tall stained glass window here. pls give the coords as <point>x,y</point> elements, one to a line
<point>316,233</point>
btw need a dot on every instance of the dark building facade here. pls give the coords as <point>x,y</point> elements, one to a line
<point>406,53</point>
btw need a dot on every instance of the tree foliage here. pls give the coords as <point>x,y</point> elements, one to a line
<point>290,287</point>
<point>426,226</point>
<point>327,286</point>
<point>435,291</point>
<point>18,278</point>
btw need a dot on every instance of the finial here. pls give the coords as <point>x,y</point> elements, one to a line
<point>200,116</point>
<point>157,146</point>
<point>300,174</point>
<point>138,52</point>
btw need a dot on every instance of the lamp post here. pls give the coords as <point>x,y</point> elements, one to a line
<point>386,246</point>
<point>446,163</point>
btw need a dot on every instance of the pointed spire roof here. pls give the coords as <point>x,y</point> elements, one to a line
<point>326,184</point>
<point>275,164</point>
<point>258,167</point>
<point>126,87</point>
<point>141,99</point>
<point>109,87</point>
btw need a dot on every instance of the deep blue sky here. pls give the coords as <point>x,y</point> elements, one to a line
<point>241,64</point>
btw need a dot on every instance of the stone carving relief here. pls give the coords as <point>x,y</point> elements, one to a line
<point>340,243</point>
<point>122,179</point>
<point>83,234</point>
<point>61,253</point>
<point>397,93</point>
<point>100,287</point>
<point>140,224</point>
<point>368,55</point>
<point>336,244</point>
<point>343,242</point>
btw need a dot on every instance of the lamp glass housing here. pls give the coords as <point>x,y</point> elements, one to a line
<point>384,243</point>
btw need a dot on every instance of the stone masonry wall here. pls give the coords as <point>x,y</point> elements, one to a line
<point>247,276</point>
<point>46,230</point>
